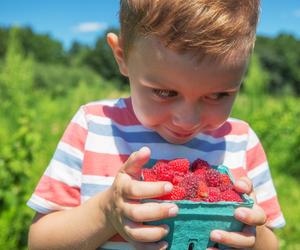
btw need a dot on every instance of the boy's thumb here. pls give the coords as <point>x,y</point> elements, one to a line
<point>134,164</point>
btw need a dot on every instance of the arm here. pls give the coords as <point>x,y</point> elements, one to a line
<point>83,227</point>
<point>117,210</point>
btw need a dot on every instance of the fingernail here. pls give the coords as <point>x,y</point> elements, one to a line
<point>241,184</point>
<point>173,211</point>
<point>164,245</point>
<point>166,227</point>
<point>144,149</point>
<point>216,236</point>
<point>168,187</point>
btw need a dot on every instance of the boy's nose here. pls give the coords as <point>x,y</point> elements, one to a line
<point>186,116</point>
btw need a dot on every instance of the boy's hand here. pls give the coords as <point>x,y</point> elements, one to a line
<point>252,217</point>
<point>127,214</point>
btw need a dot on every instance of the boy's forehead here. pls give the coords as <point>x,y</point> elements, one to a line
<point>154,49</point>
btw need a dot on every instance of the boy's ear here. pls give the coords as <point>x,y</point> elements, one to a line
<point>116,46</point>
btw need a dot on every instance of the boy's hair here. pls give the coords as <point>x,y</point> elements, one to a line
<point>214,28</point>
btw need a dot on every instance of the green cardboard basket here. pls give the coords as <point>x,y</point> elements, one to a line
<point>190,229</point>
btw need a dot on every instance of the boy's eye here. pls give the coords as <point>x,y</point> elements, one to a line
<point>216,96</point>
<point>164,93</point>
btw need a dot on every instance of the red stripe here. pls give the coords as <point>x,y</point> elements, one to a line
<point>58,192</point>
<point>272,208</point>
<point>121,116</point>
<point>75,135</point>
<point>238,172</point>
<point>255,157</point>
<point>230,128</point>
<point>102,164</point>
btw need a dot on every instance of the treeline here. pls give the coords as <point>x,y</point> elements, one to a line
<point>279,57</point>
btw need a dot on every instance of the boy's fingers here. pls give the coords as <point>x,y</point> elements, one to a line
<point>243,185</point>
<point>253,217</point>
<point>149,211</point>
<point>144,233</point>
<point>134,189</point>
<point>233,239</point>
<point>135,162</point>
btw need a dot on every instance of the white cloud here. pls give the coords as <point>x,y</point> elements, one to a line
<point>89,27</point>
<point>297,13</point>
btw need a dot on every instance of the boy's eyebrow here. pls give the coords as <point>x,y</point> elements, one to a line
<point>153,83</point>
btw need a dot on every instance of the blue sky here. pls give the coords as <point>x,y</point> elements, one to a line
<point>85,20</point>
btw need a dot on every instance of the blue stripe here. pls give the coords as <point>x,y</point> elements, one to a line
<point>67,159</point>
<point>37,208</point>
<point>153,137</point>
<point>262,178</point>
<point>92,189</point>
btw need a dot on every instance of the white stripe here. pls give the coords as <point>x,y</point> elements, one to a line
<point>252,140</point>
<point>63,173</point>
<point>118,245</point>
<point>265,191</point>
<point>79,118</point>
<point>105,144</point>
<point>277,223</point>
<point>46,204</point>
<point>101,180</point>
<point>258,170</point>
<point>70,150</point>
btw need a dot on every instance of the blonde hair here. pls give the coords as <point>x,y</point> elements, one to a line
<point>215,28</point>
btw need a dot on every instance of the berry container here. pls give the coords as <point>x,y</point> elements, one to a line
<point>190,229</point>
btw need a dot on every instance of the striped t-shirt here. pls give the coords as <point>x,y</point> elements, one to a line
<point>103,134</point>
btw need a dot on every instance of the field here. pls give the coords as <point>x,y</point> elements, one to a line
<point>38,100</point>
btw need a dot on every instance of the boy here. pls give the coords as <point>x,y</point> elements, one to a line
<point>185,60</point>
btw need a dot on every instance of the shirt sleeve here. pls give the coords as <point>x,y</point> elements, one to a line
<point>263,186</point>
<point>59,187</point>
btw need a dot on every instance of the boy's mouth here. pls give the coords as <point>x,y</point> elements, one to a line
<point>181,134</point>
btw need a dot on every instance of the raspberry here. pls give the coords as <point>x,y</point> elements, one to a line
<point>199,164</point>
<point>212,177</point>
<point>213,195</point>
<point>190,183</point>
<point>178,177</point>
<point>148,175</point>
<point>230,195</point>
<point>177,193</point>
<point>180,165</point>
<point>225,183</point>
<point>224,187</point>
<point>225,179</point>
<point>201,172</point>
<point>162,171</point>
<point>202,190</point>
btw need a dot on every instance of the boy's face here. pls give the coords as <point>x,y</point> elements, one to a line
<point>176,96</point>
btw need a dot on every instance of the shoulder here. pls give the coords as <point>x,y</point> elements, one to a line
<point>119,111</point>
<point>232,127</point>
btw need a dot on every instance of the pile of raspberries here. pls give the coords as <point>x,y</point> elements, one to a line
<point>196,182</point>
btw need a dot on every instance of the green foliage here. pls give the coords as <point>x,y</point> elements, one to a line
<point>42,47</point>
<point>18,144</point>
<point>38,100</point>
<point>280,56</point>
<point>16,76</point>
